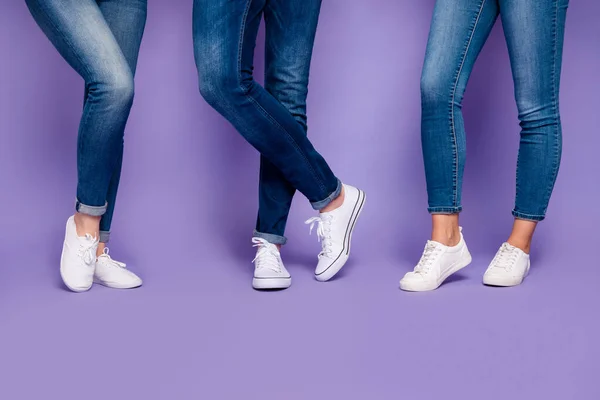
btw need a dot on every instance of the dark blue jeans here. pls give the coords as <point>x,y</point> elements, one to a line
<point>273,118</point>
<point>100,39</point>
<point>534,31</point>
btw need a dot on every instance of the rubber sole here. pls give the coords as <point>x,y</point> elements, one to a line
<point>271,283</point>
<point>116,286</point>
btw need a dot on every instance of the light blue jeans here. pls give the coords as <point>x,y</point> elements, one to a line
<point>534,31</point>
<point>100,39</point>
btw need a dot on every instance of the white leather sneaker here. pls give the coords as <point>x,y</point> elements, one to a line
<point>508,268</point>
<point>269,271</point>
<point>114,274</point>
<point>78,259</point>
<point>334,230</point>
<point>437,263</point>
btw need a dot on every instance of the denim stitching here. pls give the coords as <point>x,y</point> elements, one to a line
<point>246,92</point>
<point>455,144</point>
<point>555,107</point>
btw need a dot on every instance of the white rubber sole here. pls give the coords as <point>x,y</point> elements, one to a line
<point>505,281</point>
<point>271,283</point>
<point>341,260</point>
<point>116,285</point>
<point>427,286</point>
<point>71,288</point>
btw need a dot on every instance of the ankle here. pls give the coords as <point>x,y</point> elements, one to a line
<point>87,224</point>
<point>101,247</point>
<point>335,203</point>
<point>524,245</point>
<point>449,237</point>
<point>445,229</point>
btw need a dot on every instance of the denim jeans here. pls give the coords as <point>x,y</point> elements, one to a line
<point>273,118</point>
<point>534,32</point>
<point>100,39</point>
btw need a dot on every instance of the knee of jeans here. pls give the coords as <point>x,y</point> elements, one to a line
<point>436,90</point>
<point>118,87</point>
<point>217,86</point>
<point>534,115</point>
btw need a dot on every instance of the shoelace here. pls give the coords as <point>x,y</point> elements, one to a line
<point>429,255</point>
<point>323,232</point>
<point>87,250</point>
<point>267,255</point>
<point>112,262</point>
<point>505,257</point>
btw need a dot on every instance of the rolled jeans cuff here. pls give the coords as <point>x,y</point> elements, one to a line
<point>269,237</point>
<point>104,237</point>
<point>94,211</point>
<point>528,217</point>
<point>321,204</point>
<point>444,210</point>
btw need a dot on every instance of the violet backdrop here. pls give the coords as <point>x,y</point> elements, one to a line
<point>187,206</point>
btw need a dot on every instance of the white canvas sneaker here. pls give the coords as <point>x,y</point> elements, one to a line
<point>508,268</point>
<point>78,259</point>
<point>114,274</point>
<point>437,263</point>
<point>334,231</point>
<point>269,271</point>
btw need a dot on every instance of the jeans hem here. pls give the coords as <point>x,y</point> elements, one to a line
<point>271,238</point>
<point>528,217</point>
<point>94,211</point>
<point>104,236</point>
<point>319,205</point>
<point>444,210</point>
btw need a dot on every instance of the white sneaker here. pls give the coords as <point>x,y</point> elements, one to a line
<point>114,274</point>
<point>508,268</point>
<point>334,230</point>
<point>78,259</point>
<point>269,271</point>
<point>437,263</point>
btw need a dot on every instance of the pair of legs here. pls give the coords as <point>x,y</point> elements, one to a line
<point>273,119</point>
<point>100,39</point>
<point>534,32</point>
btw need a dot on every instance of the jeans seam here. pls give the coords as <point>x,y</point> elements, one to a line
<point>555,106</point>
<point>455,144</point>
<point>246,92</point>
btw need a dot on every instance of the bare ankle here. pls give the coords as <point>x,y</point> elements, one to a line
<point>335,203</point>
<point>87,224</point>
<point>524,245</point>
<point>101,247</point>
<point>522,234</point>
<point>447,238</point>
<point>445,229</point>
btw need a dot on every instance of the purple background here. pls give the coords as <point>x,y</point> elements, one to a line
<point>187,207</point>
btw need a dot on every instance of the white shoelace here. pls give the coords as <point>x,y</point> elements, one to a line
<point>505,257</point>
<point>323,232</point>
<point>267,255</point>
<point>87,250</point>
<point>112,262</point>
<point>429,255</point>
